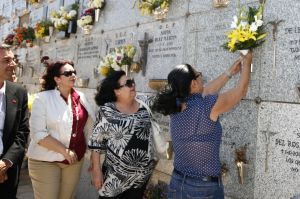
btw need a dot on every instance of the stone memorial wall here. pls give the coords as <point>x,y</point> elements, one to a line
<point>265,126</point>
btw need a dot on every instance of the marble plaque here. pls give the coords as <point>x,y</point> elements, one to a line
<point>21,52</point>
<point>278,151</point>
<point>66,49</point>
<point>7,9</point>
<point>1,8</point>
<point>207,5</point>
<point>49,50</point>
<point>239,130</point>
<point>165,50</point>
<point>88,59</point>
<point>69,2</point>
<point>280,59</point>
<point>33,69</point>
<point>6,29</point>
<point>206,34</point>
<point>113,39</point>
<point>55,5</point>
<point>37,15</point>
<point>19,7</point>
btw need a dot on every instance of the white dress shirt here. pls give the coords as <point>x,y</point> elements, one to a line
<point>2,115</point>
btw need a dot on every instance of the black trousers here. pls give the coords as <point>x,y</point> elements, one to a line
<point>8,189</point>
<point>132,193</point>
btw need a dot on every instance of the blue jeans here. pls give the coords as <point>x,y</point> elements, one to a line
<point>186,187</point>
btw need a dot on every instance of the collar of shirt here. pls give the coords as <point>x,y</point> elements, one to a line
<point>2,90</point>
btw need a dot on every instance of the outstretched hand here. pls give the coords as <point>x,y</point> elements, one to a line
<point>236,66</point>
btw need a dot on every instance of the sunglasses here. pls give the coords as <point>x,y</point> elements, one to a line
<point>129,83</point>
<point>69,73</point>
<point>198,74</point>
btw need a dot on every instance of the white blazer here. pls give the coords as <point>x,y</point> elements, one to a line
<point>52,116</point>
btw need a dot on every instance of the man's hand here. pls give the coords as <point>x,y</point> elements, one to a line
<point>4,166</point>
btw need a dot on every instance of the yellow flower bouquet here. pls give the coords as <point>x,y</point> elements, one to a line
<point>119,59</point>
<point>42,29</point>
<point>247,29</point>
<point>158,8</point>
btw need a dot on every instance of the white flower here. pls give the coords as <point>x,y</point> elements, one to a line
<point>115,66</point>
<point>234,23</point>
<point>244,24</point>
<point>258,21</point>
<point>253,27</point>
<point>72,13</point>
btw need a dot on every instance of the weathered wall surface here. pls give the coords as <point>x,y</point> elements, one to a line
<point>266,122</point>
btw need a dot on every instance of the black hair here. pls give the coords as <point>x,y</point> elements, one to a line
<point>105,90</point>
<point>53,70</point>
<point>169,100</point>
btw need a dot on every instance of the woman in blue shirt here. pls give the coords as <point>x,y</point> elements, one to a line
<point>195,128</point>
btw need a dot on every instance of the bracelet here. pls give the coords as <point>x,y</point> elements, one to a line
<point>227,73</point>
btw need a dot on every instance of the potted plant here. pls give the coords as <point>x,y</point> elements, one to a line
<point>42,30</point>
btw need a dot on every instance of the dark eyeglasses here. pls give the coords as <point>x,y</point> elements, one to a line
<point>198,74</point>
<point>69,73</point>
<point>129,83</point>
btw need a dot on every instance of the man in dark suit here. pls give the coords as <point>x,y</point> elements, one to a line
<point>14,126</point>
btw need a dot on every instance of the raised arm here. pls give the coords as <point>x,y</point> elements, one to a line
<point>227,100</point>
<point>215,85</point>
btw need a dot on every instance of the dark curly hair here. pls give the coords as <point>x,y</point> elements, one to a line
<point>105,90</point>
<point>179,80</point>
<point>53,70</point>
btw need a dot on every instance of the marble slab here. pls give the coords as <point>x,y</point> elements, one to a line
<point>239,130</point>
<point>280,59</point>
<point>165,50</point>
<point>206,32</point>
<point>277,168</point>
<point>88,58</point>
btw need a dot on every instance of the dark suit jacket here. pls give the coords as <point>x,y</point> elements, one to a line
<point>16,125</point>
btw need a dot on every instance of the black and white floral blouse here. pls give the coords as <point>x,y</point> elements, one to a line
<point>127,143</point>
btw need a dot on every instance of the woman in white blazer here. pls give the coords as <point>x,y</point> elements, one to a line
<point>60,121</point>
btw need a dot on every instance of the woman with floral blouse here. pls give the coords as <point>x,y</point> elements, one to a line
<point>122,133</point>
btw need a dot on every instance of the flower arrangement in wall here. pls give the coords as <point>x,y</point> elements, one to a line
<point>24,36</point>
<point>247,29</point>
<point>33,2</point>
<point>120,58</point>
<point>9,39</point>
<point>44,30</point>
<point>97,5</point>
<point>158,8</point>
<point>62,18</point>
<point>86,20</point>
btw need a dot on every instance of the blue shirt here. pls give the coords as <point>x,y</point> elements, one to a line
<point>196,138</point>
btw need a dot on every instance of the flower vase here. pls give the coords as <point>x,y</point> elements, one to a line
<point>28,44</point>
<point>51,28</point>
<point>244,52</point>
<point>72,27</point>
<point>62,34</point>
<point>87,29</point>
<point>47,39</point>
<point>97,14</point>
